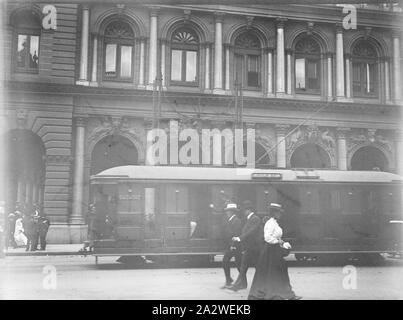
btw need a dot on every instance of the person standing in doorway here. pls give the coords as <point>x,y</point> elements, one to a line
<point>234,228</point>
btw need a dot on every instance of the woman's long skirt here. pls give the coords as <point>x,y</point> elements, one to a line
<point>271,280</point>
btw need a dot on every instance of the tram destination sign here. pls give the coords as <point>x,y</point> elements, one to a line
<point>267,175</point>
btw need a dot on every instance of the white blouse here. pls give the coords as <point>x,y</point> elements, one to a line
<point>272,231</point>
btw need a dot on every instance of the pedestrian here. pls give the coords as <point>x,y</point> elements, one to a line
<point>233,229</point>
<point>35,232</point>
<point>11,219</point>
<point>19,235</point>
<point>271,280</point>
<point>29,229</point>
<point>250,239</point>
<point>43,227</point>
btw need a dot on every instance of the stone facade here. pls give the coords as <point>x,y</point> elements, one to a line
<point>72,105</point>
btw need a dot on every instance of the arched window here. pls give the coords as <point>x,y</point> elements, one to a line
<point>310,155</point>
<point>27,31</point>
<point>369,158</point>
<point>365,70</point>
<point>248,61</point>
<point>184,57</point>
<point>307,66</point>
<point>118,51</point>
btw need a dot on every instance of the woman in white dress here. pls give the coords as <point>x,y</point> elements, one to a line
<point>271,280</point>
<point>19,235</point>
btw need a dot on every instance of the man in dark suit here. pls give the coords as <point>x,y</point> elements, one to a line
<point>233,229</point>
<point>250,239</point>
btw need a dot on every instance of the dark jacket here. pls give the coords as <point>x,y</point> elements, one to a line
<point>43,226</point>
<point>234,227</point>
<point>251,233</point>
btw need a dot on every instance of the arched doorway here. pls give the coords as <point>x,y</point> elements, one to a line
<point>113,151</point>
<point>25,164</point>
<point>310,155</point>
<point>369,158</point>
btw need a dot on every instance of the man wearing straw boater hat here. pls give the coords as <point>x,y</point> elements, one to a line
<point>234,228</point>
<point>250,241</point>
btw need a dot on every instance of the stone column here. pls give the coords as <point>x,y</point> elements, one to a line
<point>94,60</point>
<point>28,191</point>
<point>329,76</point>
<point>142,63</point>
<point>84,46</point>
<point>270,72</point>
<point>153,47</point>
<point>342,148</point>
<point>163,71</point>
<point>20,191</point>
<point>387,80</point>
<point>218,56</point>
<point>348,76</point>
<point>289,72</point>
<point>280,75</point>
<point>281,130</point>
<point>78,182</point>
<point>396,68</point>
<point>339,63</point>
<point>207,74</point>
<point>227,78</point>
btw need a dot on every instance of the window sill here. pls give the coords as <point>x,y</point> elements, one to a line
<point>373,100</point>
<point>306,96</point>
<point>184,88</point>
<point>118,84</point>
<point>183,84</point>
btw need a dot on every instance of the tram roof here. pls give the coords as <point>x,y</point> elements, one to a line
<point>241,174</point>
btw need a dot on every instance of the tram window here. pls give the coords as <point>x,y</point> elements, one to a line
<point>390,201</point>
<point>177,199</point>
<point>309,200</point>
<point>352,200</point>
<point>335,200</point>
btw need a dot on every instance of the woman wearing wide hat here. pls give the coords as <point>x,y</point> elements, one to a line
<point>271,280</point>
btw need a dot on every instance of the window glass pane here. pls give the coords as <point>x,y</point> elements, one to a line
<point>22,50</point>
<point>34,52</point>
<point>126,61</point>
<point>313,75</point>
<point>238,68</point>
<point>191,65</point>
<point>253,71</point>
<point>176,65</point>
<point>370,76</point>
<point>356,77</point>
<point>300,73</point>
<point>110,60</point>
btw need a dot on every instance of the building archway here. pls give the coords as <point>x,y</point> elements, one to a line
<point>113,151</point>
<point>310,155</point>
<point>369,158</point>
<point>25,169</point>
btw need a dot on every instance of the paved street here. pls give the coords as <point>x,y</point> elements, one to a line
<point>79,278</point>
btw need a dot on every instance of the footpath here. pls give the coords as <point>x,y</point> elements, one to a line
<point>51,250</point>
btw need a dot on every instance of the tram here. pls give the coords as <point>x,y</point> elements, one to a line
<point>173,210</point>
